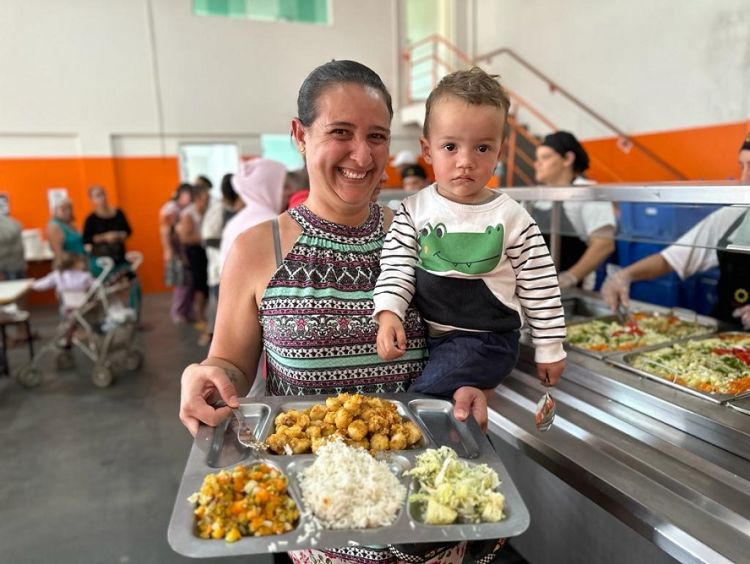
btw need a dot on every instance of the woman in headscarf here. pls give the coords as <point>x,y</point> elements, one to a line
<point>260,184</point>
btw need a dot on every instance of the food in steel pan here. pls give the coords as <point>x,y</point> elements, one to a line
<point>640,330</point>
<point>451,490</point>
<point>718,365</point>
<point>364,421</point>
<point>245,501</point>
<point>347,488</point>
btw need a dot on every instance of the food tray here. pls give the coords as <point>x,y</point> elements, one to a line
<point>439,427</point>
<point>708,323</point>
<point>623,360</point>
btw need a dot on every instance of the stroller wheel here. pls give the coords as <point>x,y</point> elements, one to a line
<point>28,376</point>
<point>65,360</point>
<point>133,361</point>
<point>101,376</point>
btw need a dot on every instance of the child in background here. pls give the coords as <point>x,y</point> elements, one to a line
<point>71,280</point>
<point>472,259</point>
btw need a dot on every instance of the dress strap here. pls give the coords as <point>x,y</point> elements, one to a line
<point>276,240</point>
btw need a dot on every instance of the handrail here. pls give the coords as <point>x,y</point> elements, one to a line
<point>554,87</point>
<point>435,39</point>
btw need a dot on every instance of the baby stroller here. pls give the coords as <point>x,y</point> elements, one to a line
<point>96,323</point>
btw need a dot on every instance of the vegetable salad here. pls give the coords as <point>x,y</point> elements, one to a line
<point>244,501</point>
<point>716,365</point>
<point>642,329</point>
<point>451,490</point>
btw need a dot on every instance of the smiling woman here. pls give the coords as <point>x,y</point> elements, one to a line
<point>308,298</point>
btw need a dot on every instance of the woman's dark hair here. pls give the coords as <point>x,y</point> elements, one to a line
<point>200,179</point>
<point>227,190</point>
<point>184,187</point>
<point>329,74</point>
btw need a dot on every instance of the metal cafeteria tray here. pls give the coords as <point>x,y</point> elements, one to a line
<point>622,360</point>
<point>439,427</point>
<point>709,323</point>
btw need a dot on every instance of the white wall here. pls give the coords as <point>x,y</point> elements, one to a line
<point>645,65</point>
<point>90,77</point>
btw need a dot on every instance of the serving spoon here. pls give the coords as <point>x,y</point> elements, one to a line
<point>545,410</point>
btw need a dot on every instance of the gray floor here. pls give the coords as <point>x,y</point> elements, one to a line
<point>88,474</point>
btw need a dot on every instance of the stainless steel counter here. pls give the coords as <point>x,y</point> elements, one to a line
<point>670,471</point>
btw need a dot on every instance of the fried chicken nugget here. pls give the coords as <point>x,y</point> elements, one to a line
<point>314,431</point>
<point>353,404</point>
<point>398,441</point>
<point>413,433</point>
<point>379,442</point>
<point>318,412</point>
<point>287,418</point>
<point>276,442</point>
<point>300,446</point>
<point>357,430</point>
<point>343,418</point>
<point>377,424</point>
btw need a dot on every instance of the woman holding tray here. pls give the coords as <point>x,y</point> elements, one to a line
<point>300,287</point>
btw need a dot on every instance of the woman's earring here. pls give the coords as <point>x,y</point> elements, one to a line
<point>302,149</point>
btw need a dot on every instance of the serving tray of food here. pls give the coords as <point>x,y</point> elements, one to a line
<point>605,336</point>
<point>338,471</point>
<point>714,367</point>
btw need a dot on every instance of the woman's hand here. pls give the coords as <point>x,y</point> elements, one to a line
<point>391,340</point>
<point>201,384</point>
<point>468,400</point>
<point>743,313</point>
<point>549,373</point>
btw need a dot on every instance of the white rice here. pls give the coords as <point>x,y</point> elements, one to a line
<point>346,488</point>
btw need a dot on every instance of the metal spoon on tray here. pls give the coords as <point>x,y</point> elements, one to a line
<point>545,410</point>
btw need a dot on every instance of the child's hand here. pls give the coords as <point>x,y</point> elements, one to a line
<point>549,373</point>
<point>391,340</point>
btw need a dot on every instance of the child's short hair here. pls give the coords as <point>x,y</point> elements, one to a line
<point>66,261</point>
<point>473,86</point>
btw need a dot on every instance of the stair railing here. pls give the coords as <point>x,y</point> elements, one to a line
<point>439,63</point>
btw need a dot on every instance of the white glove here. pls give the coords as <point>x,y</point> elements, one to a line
<point>616,290</point>
<point>744,314</point>
<point>566,279</point>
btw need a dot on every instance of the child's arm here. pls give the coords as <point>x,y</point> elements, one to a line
<point>391,341</point>
<point>46,283</point>
<point>538,293</point>
<point>396,283</point>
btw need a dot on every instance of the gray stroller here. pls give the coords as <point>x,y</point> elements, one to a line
<point>96,323</point>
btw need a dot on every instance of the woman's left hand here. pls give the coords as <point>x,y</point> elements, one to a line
<point>743,313</point>
<point>471,400</point>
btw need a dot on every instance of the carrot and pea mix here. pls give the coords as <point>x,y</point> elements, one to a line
<point>245,501</point>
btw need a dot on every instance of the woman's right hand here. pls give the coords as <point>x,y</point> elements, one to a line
<point>200,385</point>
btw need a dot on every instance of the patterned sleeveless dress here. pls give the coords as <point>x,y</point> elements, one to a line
<point>316,314</point>
<point>319,337</point>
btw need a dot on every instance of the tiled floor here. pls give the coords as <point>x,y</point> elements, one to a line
<point>88,474</point>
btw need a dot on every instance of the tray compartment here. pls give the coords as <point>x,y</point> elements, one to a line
<point>425,441</point>
<point>709,325</point>
<point>437,416</point>
<point>625,360</point>
<point>397,464</point>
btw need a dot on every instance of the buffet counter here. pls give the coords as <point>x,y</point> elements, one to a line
<point>631,471</point>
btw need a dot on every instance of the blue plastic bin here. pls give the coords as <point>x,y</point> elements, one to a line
<point>659,222</point>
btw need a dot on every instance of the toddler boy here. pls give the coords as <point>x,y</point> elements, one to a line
<point>472,258</point>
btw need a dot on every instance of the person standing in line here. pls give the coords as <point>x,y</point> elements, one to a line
<point>62,234</point>
<point>189,232</point>
<point>176,272</point>
<point>260,185</point>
